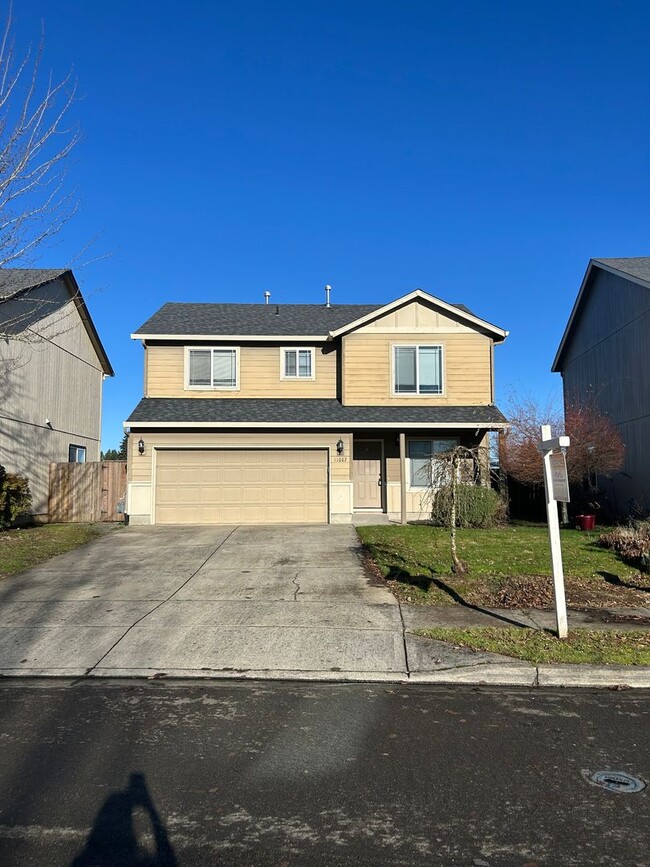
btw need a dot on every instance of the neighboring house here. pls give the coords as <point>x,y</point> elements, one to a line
<point>52,365</point>
<point>304,413</point>
<point>604,359</point>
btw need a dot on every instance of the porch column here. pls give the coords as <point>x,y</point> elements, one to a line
<point>402,475</point>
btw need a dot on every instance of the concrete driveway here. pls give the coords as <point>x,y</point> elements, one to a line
<point>204,601</point>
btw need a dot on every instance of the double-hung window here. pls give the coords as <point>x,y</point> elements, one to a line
<point>417,370</point>
<point>421,452</point>
<point>297,363</point>
<point>213,368</point>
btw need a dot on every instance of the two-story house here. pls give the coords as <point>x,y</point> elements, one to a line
<point>52,369</point>
<point>304,413</point>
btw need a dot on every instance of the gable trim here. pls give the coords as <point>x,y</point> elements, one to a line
<point>499,333</point>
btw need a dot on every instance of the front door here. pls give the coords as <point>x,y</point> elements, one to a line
<point>366,474</point>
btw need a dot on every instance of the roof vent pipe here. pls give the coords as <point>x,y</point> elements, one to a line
<point>267,295</point>
<point>328,289</point>
<point>277,310</point>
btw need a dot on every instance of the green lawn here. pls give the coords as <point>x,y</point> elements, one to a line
<point>20,549</point>
<point>509,566</point>
<point>582,646</point>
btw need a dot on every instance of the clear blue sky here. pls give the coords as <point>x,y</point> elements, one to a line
<point>482,151</point>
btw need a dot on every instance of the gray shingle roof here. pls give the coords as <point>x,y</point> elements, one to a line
<point>15,280</point>
<point>288,411</point>
<point>256,319</point>
<point>638,266</point>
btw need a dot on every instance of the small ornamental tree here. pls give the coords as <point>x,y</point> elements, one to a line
<point>459,495</point>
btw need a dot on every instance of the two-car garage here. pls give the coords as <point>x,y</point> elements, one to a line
<point>241,486</point>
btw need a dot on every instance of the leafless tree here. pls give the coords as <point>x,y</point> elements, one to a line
<point>36,140</point>
<point>596,446</point>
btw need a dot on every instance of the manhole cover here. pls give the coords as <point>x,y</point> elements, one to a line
<point>617,781</point>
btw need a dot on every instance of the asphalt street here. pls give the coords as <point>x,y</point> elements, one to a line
<point>273,773</point>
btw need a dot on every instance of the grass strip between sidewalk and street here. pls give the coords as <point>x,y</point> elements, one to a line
<point>540,646</point>
<point>25,547</point>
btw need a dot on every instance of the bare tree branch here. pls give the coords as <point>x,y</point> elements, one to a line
<point>36,200</point>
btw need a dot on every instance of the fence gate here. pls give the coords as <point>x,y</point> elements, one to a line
<point>87,492</point>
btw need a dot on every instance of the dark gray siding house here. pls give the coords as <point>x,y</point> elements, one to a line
<point>604,358</point>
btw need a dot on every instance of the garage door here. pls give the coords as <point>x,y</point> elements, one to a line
<point>241,486</point>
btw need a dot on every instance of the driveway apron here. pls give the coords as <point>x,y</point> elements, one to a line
<point>270,601</point>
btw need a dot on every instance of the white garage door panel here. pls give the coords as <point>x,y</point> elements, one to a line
<point>241,486</point>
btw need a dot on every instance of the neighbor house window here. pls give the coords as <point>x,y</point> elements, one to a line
<point>297,364</point>
<point>420,453</point>
<point>212,368</point>
<point>76,454</point>
<point>417,369</point>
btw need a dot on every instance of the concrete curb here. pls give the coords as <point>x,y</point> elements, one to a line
<point>488,674</point>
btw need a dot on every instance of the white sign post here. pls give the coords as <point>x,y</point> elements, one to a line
<point>557,488</point>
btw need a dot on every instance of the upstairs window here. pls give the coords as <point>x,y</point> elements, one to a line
<point>76,454</point>
<point>213,368</point>
<point>297,364</point>
<point>417,369</point>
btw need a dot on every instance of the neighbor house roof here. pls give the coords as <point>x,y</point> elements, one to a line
<point>13,281</point>
<point>636,268</point>
<point>321,413</point>
<point>295,321</point>
<point>16,282</point>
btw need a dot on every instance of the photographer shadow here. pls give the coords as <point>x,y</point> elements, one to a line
<point>114,838</point>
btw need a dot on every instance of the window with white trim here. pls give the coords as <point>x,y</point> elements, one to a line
<point>421,452</point>
<point>297,363</point>
<point>214,367</point>
<point>76,454</point>
<point>417,369</point>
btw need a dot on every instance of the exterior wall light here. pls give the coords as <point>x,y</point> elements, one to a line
<point>141,446</point>
<point>339,447</point>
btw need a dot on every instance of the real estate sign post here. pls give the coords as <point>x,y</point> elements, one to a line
<point>556,486</point>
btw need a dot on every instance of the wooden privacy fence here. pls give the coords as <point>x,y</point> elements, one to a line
<point>86,492</point>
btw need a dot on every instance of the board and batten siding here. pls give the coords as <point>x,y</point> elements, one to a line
<point>607,363</point>
<point>259,373</point>
<point>57,377</point>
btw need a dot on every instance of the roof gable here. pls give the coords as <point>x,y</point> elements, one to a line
<point>458,312</point>
<point>635,269</point>
<point>16,283</point>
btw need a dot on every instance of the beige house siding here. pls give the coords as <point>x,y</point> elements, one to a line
<point>368,368</point>
<point>56,377</point>
<point>259,373</point>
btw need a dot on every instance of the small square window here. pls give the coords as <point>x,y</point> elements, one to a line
<point>297,364</point>
<point>76,454</point>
